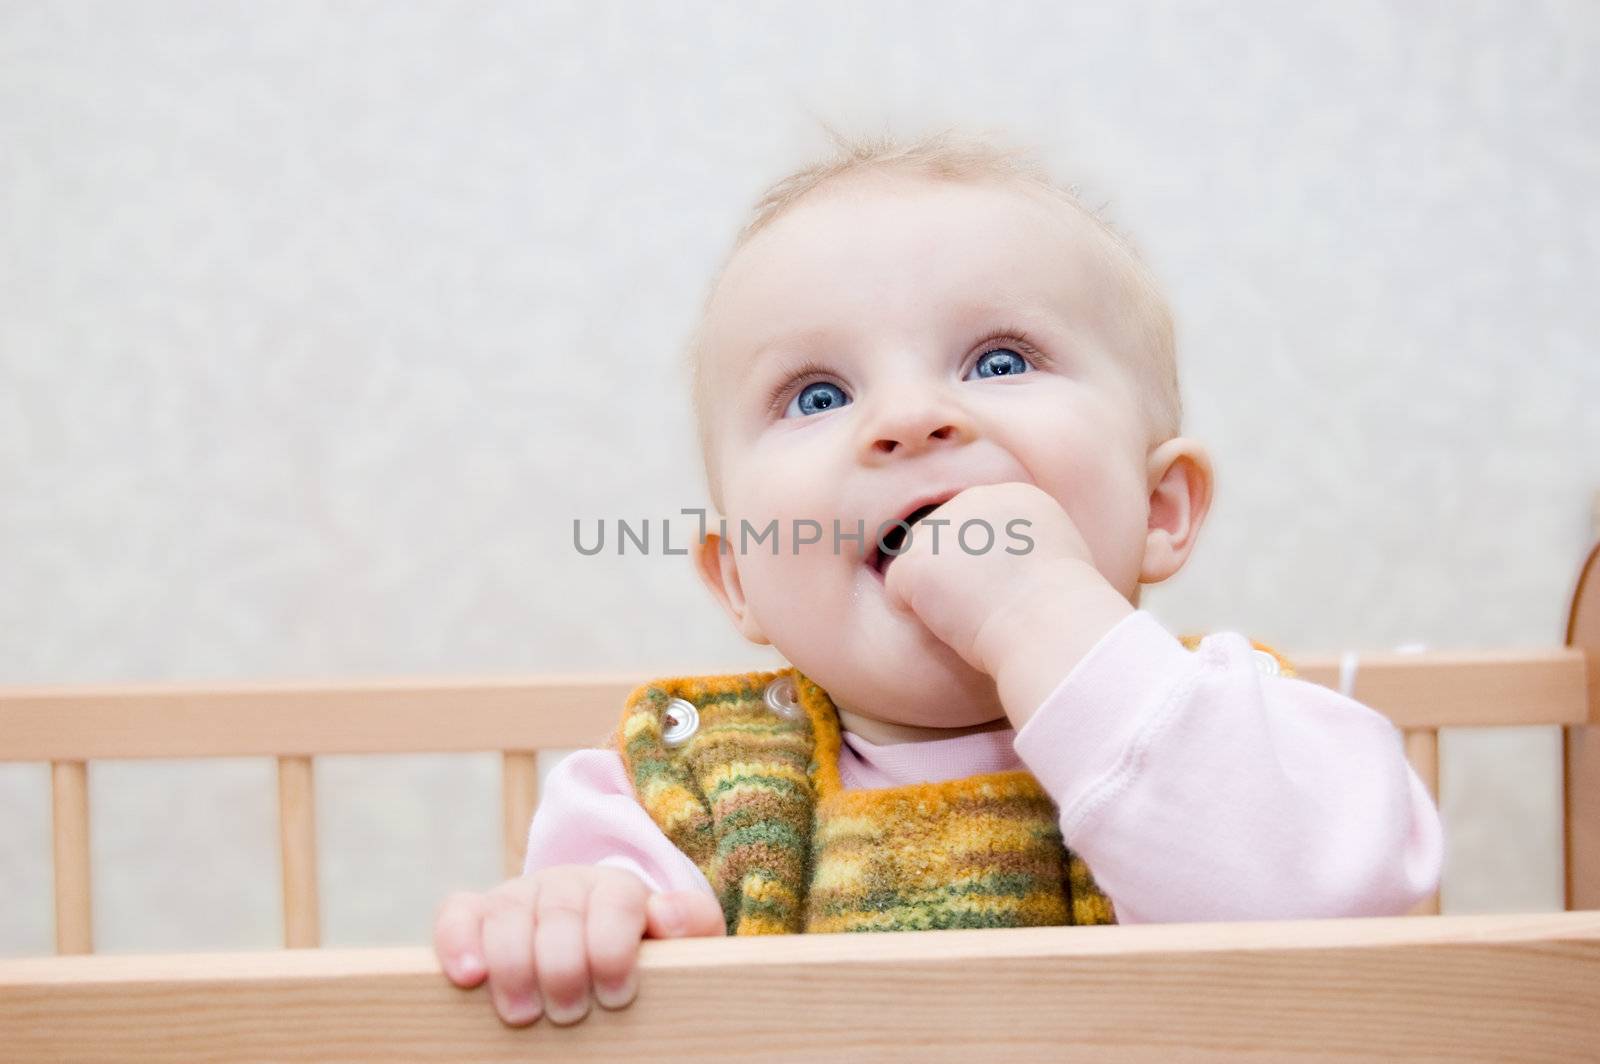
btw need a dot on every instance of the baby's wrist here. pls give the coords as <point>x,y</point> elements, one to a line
<point>1034,639</point>
<point>1033,606</point>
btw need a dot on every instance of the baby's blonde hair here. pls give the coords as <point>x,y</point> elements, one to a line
<point>970,158</point>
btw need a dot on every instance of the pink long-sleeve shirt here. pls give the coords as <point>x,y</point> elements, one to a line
<point>1194,786</point>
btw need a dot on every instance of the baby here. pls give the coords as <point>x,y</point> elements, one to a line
<point>939,411</point>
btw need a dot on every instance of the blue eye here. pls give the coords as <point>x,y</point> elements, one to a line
<point>817,398</point>
<point>1001,362</point>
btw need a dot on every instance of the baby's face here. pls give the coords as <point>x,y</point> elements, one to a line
<point>891,339</point>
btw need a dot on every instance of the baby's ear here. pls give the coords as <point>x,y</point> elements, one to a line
<point>1180,496</point>
<point>714,561</point>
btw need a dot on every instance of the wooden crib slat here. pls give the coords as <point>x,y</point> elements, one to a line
<point>519,790</point>
<point>1580,756</point>
<point>69,803</point>
<point>1479,987</point>
<point>297,831</point>
<point>1580,753</point>
<point>1422,750</point>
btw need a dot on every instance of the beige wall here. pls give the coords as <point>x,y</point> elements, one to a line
<point>319,324</point>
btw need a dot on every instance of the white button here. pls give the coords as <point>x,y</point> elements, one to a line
<point>781,698</point>
<point>682,721</point>
<point>1266,664</point>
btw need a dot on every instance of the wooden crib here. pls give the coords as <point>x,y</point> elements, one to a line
<point>1486,987</point>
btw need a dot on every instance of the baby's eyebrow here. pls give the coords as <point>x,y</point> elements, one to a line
<point>792,338</point>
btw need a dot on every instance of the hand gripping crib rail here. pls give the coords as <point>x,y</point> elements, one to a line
<point>1486,987</point>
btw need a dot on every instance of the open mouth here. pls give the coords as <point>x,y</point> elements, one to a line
<point>892,541</point>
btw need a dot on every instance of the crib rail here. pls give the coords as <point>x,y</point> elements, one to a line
<point>396,716</point>
<point>295,722</point>
<point>1448,987</point>
<point>1451,988</point>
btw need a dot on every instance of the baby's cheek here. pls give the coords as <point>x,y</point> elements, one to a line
<point>785,583</point>
<point>1115,534</point>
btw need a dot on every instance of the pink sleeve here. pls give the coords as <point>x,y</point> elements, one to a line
<point>1197,788</point>
<point>588,815</point>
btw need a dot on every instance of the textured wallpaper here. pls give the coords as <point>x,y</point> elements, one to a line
<point>321,322</point>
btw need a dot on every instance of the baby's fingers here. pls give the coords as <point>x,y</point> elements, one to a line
<point>508,951</point>
<point>615,926</point>
<point>458,939</point>
<point>560,954</point>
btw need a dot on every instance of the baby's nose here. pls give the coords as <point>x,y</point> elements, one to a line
<point>887,444</point>
<point>909,428</point>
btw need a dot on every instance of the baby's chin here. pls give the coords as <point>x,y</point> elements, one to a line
<point>919,687</point>
<point>876,660</point>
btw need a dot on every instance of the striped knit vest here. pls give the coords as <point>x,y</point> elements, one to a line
<point>741,773</point>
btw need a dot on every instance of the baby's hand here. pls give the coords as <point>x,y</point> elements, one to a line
<point>543,940</point>
<point>957,594</point>
<point>1024,619</point>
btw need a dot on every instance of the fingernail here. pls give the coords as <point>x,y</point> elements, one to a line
<point>469,967</point>
<point>616,995</point>
<point>518,1009</point>
<point>561,1015</point>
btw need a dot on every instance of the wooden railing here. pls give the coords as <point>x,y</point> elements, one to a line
<point>1444,988</point>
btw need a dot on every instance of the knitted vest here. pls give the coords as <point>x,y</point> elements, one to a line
<point>741,772</point>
